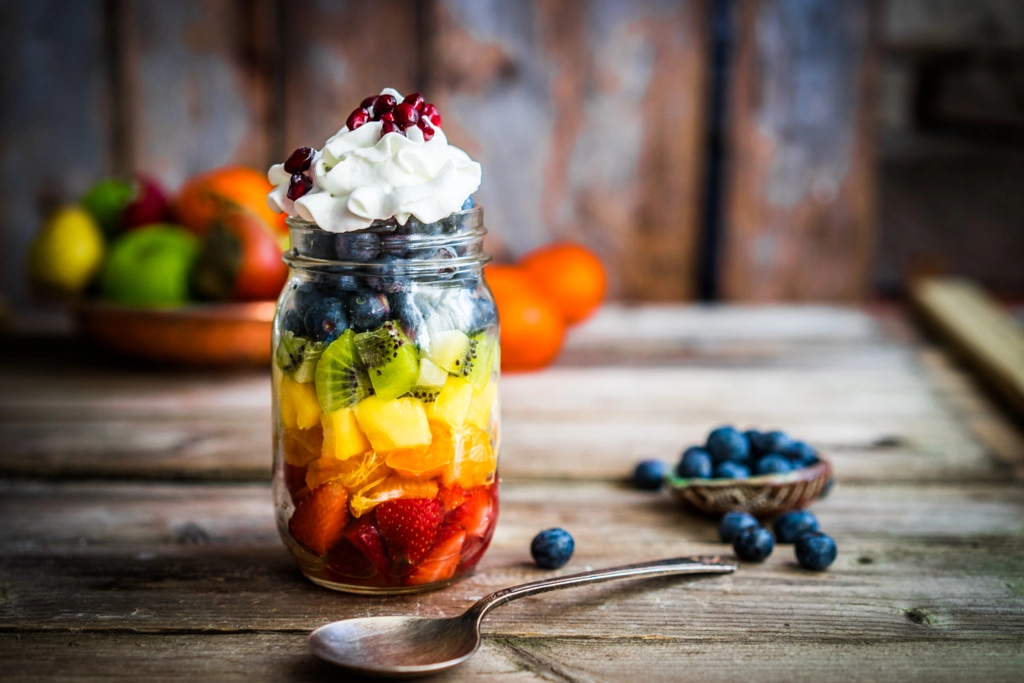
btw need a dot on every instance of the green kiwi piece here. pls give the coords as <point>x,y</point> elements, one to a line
<point>341,380</point>
<point>430,381</point>
<point>449,350</point>
<point>391,360</point>
<point>298,356</point>
<point>479,359</point>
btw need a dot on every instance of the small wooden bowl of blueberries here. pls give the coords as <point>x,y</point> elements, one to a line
<point>745,475</point>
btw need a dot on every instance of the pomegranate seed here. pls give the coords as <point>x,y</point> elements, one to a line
<point>406,115</point>
<point>428,130</point>
<point>357,118</point>
<point>390,127</point>
<point>384,104</point>
<point>430,112</point>
<point>390,116</point>
<point>300,184</point>
<point>369,102</point>
<point>416,100</point>
<point>300,160</point>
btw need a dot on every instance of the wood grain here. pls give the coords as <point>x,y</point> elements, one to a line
<point>799,205</point>
<point>587,118</point>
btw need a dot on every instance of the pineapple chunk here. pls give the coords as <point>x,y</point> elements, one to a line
<point>342,436</point>
<point>395,424</point>
<point>300,408</point>
<point>484,403</point>
<point>452,404</point>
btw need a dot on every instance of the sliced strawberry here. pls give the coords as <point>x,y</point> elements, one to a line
<point>451,498</point>
<point>361,554</point>
<point>443,559</point>
<point>320,517</point>
<point>409,526</point>
<point>475,514</point>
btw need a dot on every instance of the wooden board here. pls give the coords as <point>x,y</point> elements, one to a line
<point>798,210</point>
<point>588,120</point>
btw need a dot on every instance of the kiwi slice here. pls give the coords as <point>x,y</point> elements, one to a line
<point>430,382</point>
<point>480,359</point>
<point>391,360</point>
<point>341,380</point>
<point>449,349</point>
<point>298,356</point>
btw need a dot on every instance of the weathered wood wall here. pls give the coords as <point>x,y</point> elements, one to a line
<point>590,118</point>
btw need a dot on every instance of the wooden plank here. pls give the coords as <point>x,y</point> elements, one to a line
<point>54,137</point>
<point>198,76</point>
<point>984,335</point>
<point>336,54</point>
<point>798,211</point>
<point>916,564</point>
<point>588,120</point>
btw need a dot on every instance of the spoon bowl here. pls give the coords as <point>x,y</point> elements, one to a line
<point>418,646</point>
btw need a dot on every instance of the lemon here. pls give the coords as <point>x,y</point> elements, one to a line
<point>67,252</point>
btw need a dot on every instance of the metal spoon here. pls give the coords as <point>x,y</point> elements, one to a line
<point>417,646</point>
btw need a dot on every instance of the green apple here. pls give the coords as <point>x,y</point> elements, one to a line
<point>106,201</point>
<point>150,267</point>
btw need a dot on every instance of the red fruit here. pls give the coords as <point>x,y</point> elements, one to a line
<point>149,206</point>
<point>390,116</point>
<point>416,101</point>
<point>409,526</point>
<point>240,259</point>
<point>474,515</point>
<point>357,118</point>
<point>369,102</point>
<point>360,554</point>
<point>443,560</point>
<point>294,479</point>
<point>300,160</point>
<point>384,104</point>
<point>430,112</point>
<point>299,185</point>
<point>428,130</point>
<point>451,498</point>
<point>406,115</point>
<point>319,519</point>
<point>390,127</point>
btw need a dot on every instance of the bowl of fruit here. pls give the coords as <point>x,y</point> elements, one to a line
<point>763,473</point>
<point>188,280</point>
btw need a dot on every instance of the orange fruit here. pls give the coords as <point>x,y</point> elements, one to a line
<point>532,326</point>
<point>571,275</point>
<point>205,197</point>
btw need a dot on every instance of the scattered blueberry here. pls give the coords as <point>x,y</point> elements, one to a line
<point>753,436</point>
<point>695,464</point>
<point>368,310</point>
<point>725,443</point>
<point>815,550</point>
<point>771,442</point>
<point>801,455</point>
<point>773,463</point>
<point>386,282</point>
<point>326,320</point>
<point>794,524</point>
<point>552,548</point>
<point>649,475</point>
<point>728,469</point>
<point>293,322</point>
<point>468,204</point>
<point>733,523</point>
<point>753,544</point>
<point>410,317</point>
<point>444,254</point>
<point>305,295</point>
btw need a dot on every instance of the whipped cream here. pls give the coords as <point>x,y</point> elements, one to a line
<point>359,177</point>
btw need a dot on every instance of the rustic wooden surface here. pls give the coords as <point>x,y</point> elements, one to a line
<point>113,564</point>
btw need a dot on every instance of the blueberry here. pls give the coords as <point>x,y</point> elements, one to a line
<point>318,244</point>
<point>552,548</point>
<point>649,475</point>
<point>409,316</point>
<point>368,310</point>
<point>730,470</point>
<point>469,203</point>
<point>292,322</point>
<point>326,319</point>
<point>304,296</point>
<point>725,443</point>
<point>443,254</point>
<point>695,464</point>
<point>733,523</point>
<point>773,463</point>
<point>753,544</point>
<point>771,442</point>
<point>357,246</point>
<point>388,281</point>
<point>827,488</point>
<point>815,550</point>
<point>753,436</point>
<point>801,455</point>
<point>793,524</point>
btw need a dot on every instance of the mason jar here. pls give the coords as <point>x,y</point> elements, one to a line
<point>385,404</point>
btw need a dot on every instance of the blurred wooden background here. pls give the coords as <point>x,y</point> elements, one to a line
<point>703,148</point>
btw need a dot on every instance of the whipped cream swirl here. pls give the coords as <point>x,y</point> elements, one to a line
<point>360,177</point>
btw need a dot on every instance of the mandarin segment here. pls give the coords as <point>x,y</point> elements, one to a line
<point>474,459</point>
<point>393,488</point>
<point>425,463</point>
<point>356,474</point>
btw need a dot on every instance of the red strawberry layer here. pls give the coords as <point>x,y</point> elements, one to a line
<point>475,513</point>
<point>361,554</point>
<point>409,527</point>
<point>320,517</point>
<point>442,561</point>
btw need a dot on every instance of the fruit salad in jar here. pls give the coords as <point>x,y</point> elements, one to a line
<point>385,371</point>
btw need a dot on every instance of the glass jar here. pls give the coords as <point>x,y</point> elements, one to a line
<point>385,402</point>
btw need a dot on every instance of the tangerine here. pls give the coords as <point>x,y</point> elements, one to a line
<point>206,196</point>
<point>532,327</point>
<point>571,275</point>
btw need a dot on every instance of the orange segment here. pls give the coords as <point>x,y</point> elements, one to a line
<point>356,474</point>
<point>425,463</point>
<point>474,459</point>
<point>392,488</point>
<point>302,446</point>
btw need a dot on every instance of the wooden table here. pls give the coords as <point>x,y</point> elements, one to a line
<point>138,543</point>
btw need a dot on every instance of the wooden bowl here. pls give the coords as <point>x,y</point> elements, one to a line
<point>199,334</point>
<point>766,495</point>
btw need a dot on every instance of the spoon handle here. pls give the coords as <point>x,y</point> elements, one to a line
<point>677,565</point>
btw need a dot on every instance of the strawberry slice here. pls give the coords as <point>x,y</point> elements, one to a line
<point>475,514</point>
<point>443,559</point>
<point>451,498</point>
<point>361,554</point>
<point>409,526</point>
<point>320,517</point>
